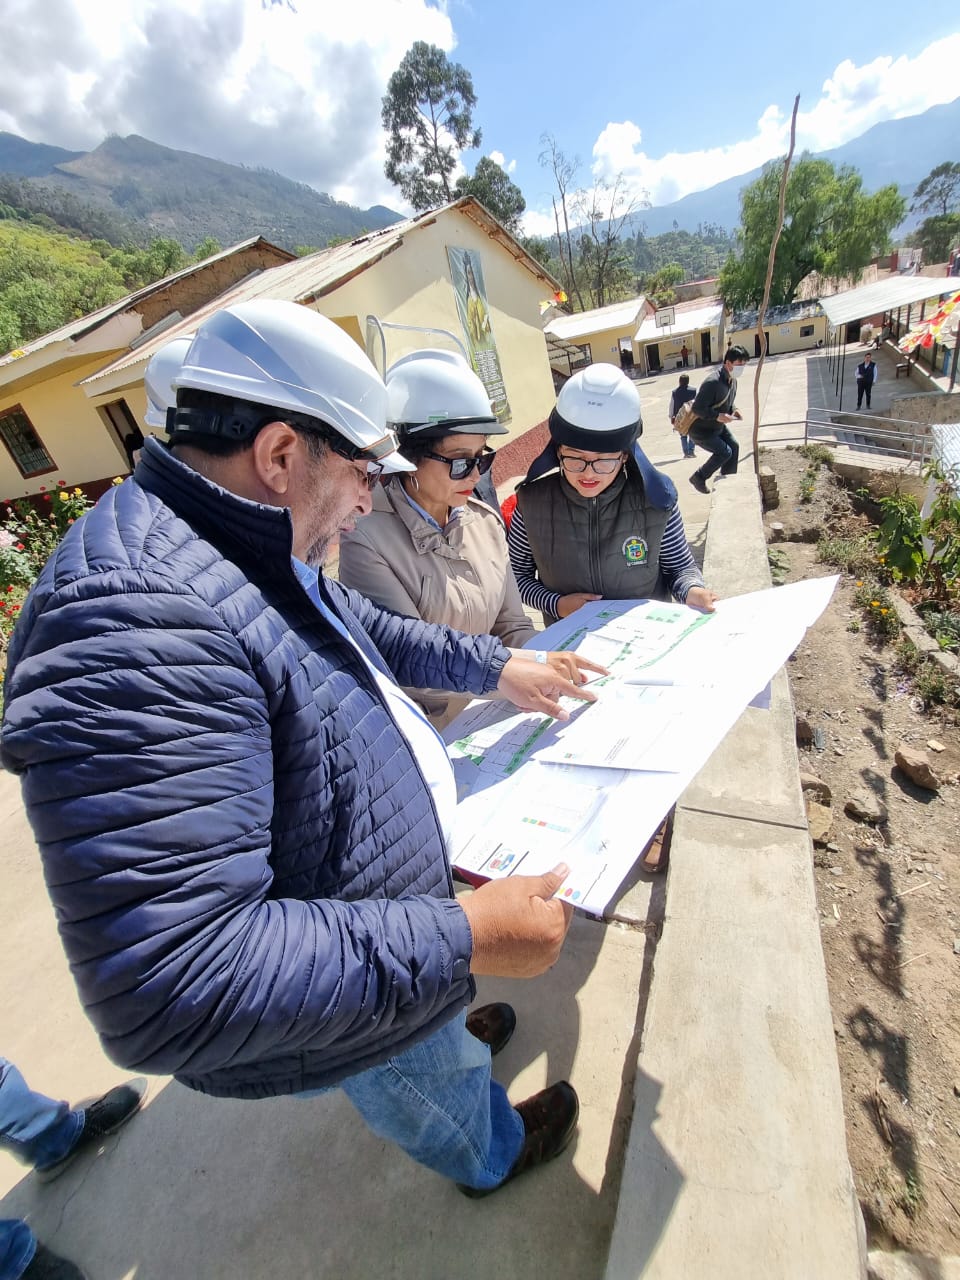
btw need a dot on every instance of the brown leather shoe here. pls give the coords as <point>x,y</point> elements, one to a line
<point>494,1024</point>
<point>550,1121</point>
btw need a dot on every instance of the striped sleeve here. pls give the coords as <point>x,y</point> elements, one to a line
<point>677,564</point>
<point>532,590</point>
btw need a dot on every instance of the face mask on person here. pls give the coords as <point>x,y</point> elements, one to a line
<point>737,370</point>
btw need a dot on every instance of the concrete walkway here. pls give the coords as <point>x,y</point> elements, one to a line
<point>202,1189</point>
<point>743,1170</point>
<point>205,1189</point>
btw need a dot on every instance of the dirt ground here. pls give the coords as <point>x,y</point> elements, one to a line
<point>889,895</point>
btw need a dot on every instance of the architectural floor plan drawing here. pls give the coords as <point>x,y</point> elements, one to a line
<point>591,790</point>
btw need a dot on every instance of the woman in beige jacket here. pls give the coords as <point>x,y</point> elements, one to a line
<point>429,549</point>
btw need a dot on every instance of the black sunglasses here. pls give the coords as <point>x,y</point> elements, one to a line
<point>460,468</point>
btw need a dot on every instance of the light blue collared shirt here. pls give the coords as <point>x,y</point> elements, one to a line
<point>455,512</point>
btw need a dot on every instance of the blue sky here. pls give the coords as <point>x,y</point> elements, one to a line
<point>674,99</point>
<point>693,85</point>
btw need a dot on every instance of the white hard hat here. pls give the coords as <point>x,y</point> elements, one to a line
<point>287,357</point>
<point>434,393</point>
<point>598,410</point>
<point>162,367</point>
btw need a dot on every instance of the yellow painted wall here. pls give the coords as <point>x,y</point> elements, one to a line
<point>671,346</point>
<point>783,337</point>
<point>605,343</point>
<point>412,285</point>
<point>71,430</point>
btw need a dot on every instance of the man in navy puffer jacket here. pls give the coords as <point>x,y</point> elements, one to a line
<point>241,818</point>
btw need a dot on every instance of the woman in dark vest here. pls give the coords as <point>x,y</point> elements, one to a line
<point>594,519</point>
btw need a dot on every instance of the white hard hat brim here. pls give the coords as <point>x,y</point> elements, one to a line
<point>394,463</point>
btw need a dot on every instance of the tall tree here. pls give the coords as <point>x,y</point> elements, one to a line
<point>564,172</point>
<point>427,112</point>
<point>659,287</point>
<point>542,250</point>
<point>606,263</point>
<point>831,226</point>
<point>936,236</point>
<point>939,190</point>
<point>493,188</point>
<point>939,195</point>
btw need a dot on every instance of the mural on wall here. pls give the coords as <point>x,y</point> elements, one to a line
<point>466,272</point>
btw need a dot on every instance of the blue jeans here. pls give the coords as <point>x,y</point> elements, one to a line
<point>18,1244</point>
<point>439,1103</point>
<point>689,449</point>
<point>38,1131</point>
<point>722,444</point>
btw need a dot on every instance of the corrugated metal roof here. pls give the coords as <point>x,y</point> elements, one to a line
<point>884,295</point>
<point>307,279</point>
<point>618,315</point>
<point>559,347</point>
<point>805,310</point>
<point>706,316</point>
<point>86,324</point>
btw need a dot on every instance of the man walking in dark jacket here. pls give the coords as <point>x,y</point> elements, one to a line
<point>242,818</point>
<point>682,394</point>
<point>714,407</point>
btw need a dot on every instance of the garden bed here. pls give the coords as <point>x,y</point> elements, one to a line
<point>886,866</point>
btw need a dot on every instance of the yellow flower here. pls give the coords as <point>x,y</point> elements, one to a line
<point>874,604</point>
<point>78,491</point>
<point>859,583</point>
<point>117,480</point>
<point>64,497</point>
<point>884,610</point>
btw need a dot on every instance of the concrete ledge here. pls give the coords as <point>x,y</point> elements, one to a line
<point>921,639</point>
<point>742,1167</point>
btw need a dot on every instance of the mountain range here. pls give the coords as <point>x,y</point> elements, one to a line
<point>898,151</point>
<point>189,197</point>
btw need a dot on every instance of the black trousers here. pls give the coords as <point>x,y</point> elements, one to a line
<point>722,445</point>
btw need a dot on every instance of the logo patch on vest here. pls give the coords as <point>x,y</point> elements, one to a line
<point>634,549</point>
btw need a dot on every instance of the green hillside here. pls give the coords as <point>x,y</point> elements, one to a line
<point>188,197</point>
<point>48,277</point>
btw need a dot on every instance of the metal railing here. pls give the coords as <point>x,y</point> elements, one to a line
<point>909,442</point>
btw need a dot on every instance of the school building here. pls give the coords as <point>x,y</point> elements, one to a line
<point>71,401</point>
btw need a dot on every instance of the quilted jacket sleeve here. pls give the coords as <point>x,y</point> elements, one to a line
<point>142,737</point>
<point>423,655</point>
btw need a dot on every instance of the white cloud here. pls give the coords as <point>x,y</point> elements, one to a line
<point>295,91</point>
<point>538,223</point>
<point>499,158</point>
<point>853,99</point>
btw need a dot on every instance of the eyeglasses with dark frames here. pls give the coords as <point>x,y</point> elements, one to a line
<point>343,448</point>
<point>599,466</point>
<point>460,468</point>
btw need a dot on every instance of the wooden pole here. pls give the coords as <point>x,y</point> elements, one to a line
<point>761,315</point>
